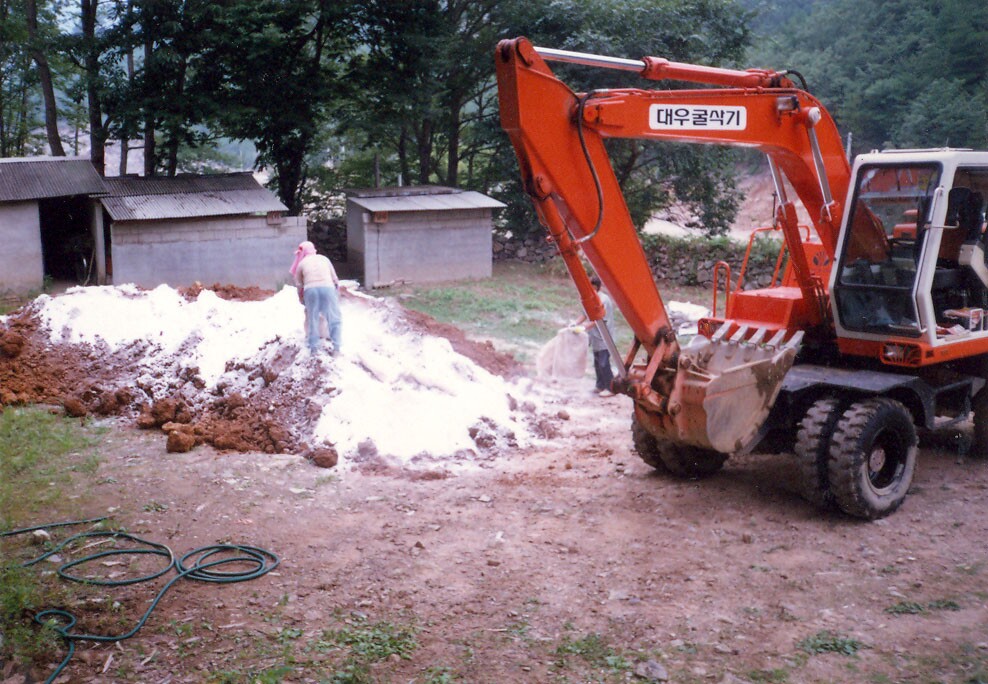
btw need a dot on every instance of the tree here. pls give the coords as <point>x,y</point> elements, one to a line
<point>426,93</point>
<point>876,64</point>
<point>38,54</point>
<point>276,72</point>
<point>18,119</point>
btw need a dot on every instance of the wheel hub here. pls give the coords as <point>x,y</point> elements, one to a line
<point>876,461</point>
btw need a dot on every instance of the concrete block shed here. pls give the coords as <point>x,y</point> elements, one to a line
<point>419,234</point>
<point>222,228</point>
<point>50,222</point>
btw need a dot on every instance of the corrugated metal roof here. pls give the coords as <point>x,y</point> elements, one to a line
<point>129,186</point>
<point>442,201</point>
<point>140,198</point>
<point>31,178</point>
<point>191,204</point>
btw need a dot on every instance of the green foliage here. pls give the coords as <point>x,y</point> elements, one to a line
<point>903,73</point>
<point>425,98</point>
<point>906,608</point>
<point>33,443</point>
<point>21,597</point>
<point>913,608</point>
<point>522,304</point>
<point>20,102</point>
<point>38,453</point>
<point>830,642</point>
<point>775,676</point>
<point>271,675</point>
<point>371,642</point>
<point>943,604</point>
<point>594,650</point>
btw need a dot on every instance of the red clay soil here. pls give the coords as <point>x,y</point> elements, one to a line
<point>481,353</point>
<point>229,292</point>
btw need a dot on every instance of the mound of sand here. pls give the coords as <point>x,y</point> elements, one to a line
<point>230,368</point>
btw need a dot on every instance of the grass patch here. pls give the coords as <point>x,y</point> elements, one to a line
<point>906,608</point>
<point>830,642</point>
<point>364,644</point>
<point>522,305</point>
<point>39,454</point>
<point>913,608</point>
<point>775,676</point>
<point>272,675</point>
<point>594,650</point>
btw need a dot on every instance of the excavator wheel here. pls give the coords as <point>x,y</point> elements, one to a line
<point>813,450</point>
<point>689,461</point>
<point>646,445</point>
<point>872,458</point>
<point>979,448</point>
<point>677,459</point>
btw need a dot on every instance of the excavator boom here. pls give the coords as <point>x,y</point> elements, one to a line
<point>715,393</point>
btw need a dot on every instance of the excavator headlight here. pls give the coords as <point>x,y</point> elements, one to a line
<point>901,354</point>
<point>786,103</point>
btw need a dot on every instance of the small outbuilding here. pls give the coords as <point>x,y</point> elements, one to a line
<point>223,228</point>
<point>60,221</point>
<point>419,234</point>
<point>50,222</point>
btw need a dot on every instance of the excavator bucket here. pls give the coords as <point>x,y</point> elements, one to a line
<point>726,385</point>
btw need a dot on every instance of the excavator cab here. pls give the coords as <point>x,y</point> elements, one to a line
<point>911,279</point>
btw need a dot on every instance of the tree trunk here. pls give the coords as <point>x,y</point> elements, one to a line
<point>44,75</point>
<point>150,152</point>
<point>175,132</point>
<point>97,133</point>
<point>424,148</point>
<point>453,157</point>
<point>124,137</point>
<point>403,154</point>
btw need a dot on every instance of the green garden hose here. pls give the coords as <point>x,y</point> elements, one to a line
<point>202,564</point>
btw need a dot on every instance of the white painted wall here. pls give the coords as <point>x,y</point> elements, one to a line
<point>425,246</point>
<point>241,251</point>
<point>21,261</point>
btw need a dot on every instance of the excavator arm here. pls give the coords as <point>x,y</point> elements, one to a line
<point>689,396</point>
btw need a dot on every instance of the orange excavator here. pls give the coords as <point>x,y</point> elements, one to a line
<point>874,328</point>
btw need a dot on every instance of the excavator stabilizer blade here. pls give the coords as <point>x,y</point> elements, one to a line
<point>725,387</point>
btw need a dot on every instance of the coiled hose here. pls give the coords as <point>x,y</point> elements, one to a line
<point>203,564</point>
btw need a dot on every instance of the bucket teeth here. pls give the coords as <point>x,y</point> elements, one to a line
<point>721,332</point>
<point>794,341</point>
<point>759,335</point>
<point>777,339</point>
<point>739,335</point>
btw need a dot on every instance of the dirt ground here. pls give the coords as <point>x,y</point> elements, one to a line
<point>567,561</point>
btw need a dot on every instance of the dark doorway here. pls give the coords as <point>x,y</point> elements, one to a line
<point>67,240</point>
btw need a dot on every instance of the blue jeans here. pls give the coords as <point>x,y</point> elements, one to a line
<point>325,301</point>
<point>602,369</point>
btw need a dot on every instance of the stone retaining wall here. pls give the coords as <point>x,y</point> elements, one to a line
<point>685,261</point>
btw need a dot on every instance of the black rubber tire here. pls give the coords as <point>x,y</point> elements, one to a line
<point>872,458</point>
<point>646,445</point>
<point>690,462</point>
<point>979,443</point>
<point>812,450</point>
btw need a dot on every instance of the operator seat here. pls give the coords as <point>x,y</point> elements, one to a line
<point>972,253</point>
<point>954,233</point>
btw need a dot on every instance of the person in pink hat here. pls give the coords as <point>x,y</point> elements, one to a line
<point>318,287</point>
